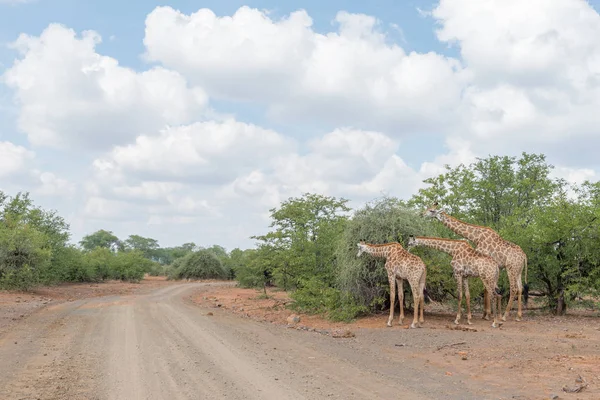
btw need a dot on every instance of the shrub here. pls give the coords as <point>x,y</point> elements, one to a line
<point>69,265</point>
<point>23,254</point>
<point>201,264</point>
<point>157,270</point>
<point>364,279</point>
<point>100,262</point>
<point>316,297</point>
<point>129,266</point>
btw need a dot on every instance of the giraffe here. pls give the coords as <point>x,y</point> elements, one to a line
<point>466,262</point>
<point>400,265</point>
<point>489,242</point>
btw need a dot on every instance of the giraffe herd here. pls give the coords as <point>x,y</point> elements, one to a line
<point>491,254</point>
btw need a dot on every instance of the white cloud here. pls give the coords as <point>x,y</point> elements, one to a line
<point>106,210</point>
<point>228,169</point>
<point>459,152</point>
<point>535,70</point>
<point>528,79</point>
<point>352,76</point>
<point>71,96</point>
<point>13,159</point>
<point>528,44</point>
<point>345,162</point>
<point>575,175</point>
<point>52,185</point>
<point>205,152</point>
<point>19,172</point>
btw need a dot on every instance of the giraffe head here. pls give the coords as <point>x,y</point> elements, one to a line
<point>361,248</point>
<point>412,242</point>
<point>433,211</point>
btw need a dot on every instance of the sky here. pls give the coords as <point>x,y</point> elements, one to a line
<point>187,121</point>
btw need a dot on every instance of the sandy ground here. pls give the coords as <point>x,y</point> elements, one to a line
<point>15,306</point>
<point>165,340</point>
<point>538,356</point>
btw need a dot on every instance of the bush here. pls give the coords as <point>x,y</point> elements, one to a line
<point>23,254</point>
<point>157,270</point>
<point>315,297</point>
<point>130,266</point>
<point>69,265</point>
<point>173,269</point>
<point>100,262</point>
<point>364,279</point>
<point>201,264</point>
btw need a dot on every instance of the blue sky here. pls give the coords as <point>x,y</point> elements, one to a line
<point>124,22</point>
<point>345,114</point>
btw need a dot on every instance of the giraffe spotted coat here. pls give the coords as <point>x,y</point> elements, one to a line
<point>466,263</point>
<point>400,265</point>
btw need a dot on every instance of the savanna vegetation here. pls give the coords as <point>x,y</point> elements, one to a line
<point>35,250</point>
<point>310,249</point>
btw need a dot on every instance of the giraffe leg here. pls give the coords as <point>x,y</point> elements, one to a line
<point>400,283</point>
<point>495,300</point>
<point>487,310</point>
<point>498,308</point>
<point>459,286</point>
<point>422,291</point>
<point>416,301</point>
<point>511,298</point>
<point>392,298</point>
<point>519,285</point>
<point>422,318</point>
<point>468,300</point>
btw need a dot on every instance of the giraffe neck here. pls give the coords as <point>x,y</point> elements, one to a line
<point>382,250</point>
<point>449,246</point>
<point>469,231</point>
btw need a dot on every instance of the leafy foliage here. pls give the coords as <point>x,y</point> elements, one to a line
<point>201,264</point>
<point>381,221</point>
<point>101,238</point>
<point>303,241</point>
<point>553,222</point>
<point>34,250</point>
<point>556,224</point>
<point>147,246</point>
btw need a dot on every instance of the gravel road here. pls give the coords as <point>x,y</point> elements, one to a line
<point>159,345</point>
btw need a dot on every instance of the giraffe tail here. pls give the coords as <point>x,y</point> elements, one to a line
<point>426,296</point>
<point>525,286</point>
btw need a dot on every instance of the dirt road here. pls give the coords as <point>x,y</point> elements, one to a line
<point>160,345</point>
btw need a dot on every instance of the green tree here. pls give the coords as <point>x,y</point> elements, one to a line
<point>32,241</point>
<point>24,253</point>
<point>497,191</point>
<point>147,246</point>
<point>562,244</point>
<point>553,222</point>
<point>302,244</point>
<point>100,238</point>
